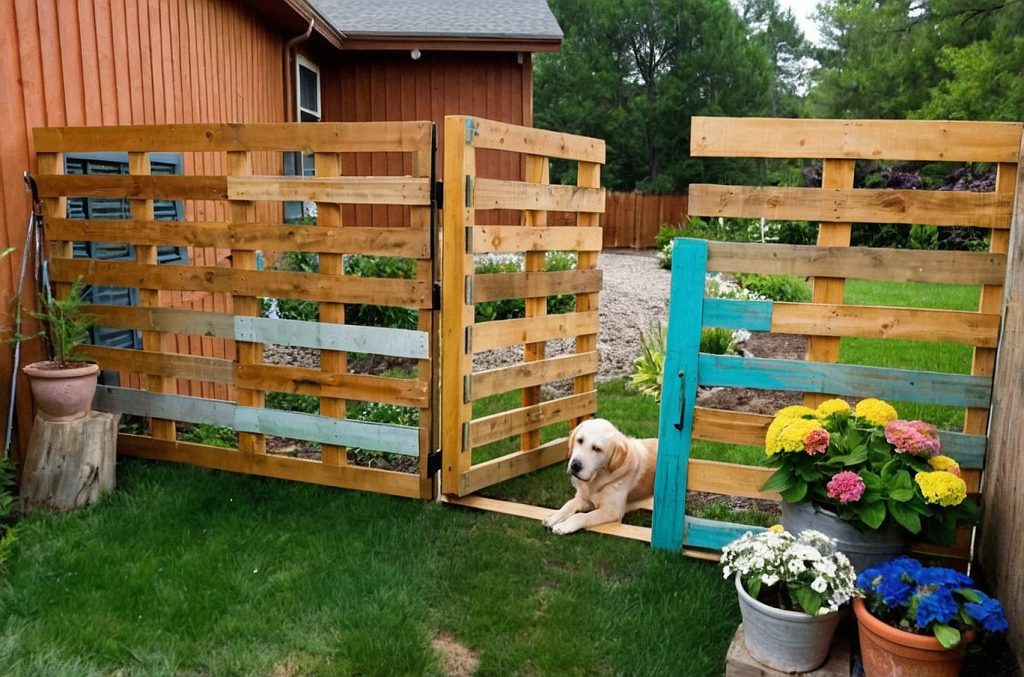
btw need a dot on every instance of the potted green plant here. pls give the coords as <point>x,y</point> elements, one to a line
<point>917,620</point>
<point>866,477</point>
<point>63,386</point>
<point>790,589</point>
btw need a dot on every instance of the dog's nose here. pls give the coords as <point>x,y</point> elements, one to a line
<point>575,466</point>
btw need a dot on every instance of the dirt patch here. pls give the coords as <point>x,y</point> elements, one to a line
<point>456,659</point>
<point>781,346</point>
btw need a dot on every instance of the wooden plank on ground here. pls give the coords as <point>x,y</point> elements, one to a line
<point>496,286</point>
<point>923,140</point>
<point>930,207</point>
<point>280,284</point>
<point>403,242</point>
<point>342,137</point>
<point>280,467</point>
<point>499,194</point>
<point>502,379</point>
<point>306,381</point>
<point>360,190</point>
<point>134,187</point>
<point>488,239</point>
<point>502,333</point>
<point>530,418</point>
<point>517,139</point>
<point>858,263</point>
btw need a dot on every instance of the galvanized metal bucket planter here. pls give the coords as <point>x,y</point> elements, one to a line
<point>863,548</point>
<point>790,641</point>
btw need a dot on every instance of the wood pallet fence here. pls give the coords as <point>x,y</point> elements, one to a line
<point>631,220</point>
<point>836,205</point>
<point>466,194</point>
<point>239,197</point>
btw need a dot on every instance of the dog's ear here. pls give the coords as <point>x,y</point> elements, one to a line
<point>572,441</point>
<point>619,453</point>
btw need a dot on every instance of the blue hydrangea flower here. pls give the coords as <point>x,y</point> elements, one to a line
<point>937,606</point>
<point>866,579</point>
<point>947,578</point>
<point>989,613</point>
<point>907,565</point>
<point>894,590</point>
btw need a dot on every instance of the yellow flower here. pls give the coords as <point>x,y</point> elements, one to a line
<point>793,433</point>
<point>831,407</point>
<point>785,415</point>
<point>945,463</point>
<point>777,528</point>
<point>876,411</point>
<point>795,411</point>
<point>941,487</point>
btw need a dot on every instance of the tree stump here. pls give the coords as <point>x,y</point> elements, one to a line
<point>69,463</point>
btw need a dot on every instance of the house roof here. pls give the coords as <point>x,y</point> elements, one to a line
<point>509,21</point>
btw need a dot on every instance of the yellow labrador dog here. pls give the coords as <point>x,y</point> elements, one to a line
<point>608,470</point>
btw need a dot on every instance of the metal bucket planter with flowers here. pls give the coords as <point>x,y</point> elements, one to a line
<point>866,478</point>
<point>790,589</point>
<point>917,620</point>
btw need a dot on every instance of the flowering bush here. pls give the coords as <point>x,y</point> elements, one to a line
<point>797,573</point>
<point>929,600</point>
<point>869,467</point>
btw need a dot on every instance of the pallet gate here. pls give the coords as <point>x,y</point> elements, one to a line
<point>203,334</point>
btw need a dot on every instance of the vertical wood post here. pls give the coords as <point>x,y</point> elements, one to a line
<point>244,211</point>
<point>420,218</point>
<point>835,174</point>
<point>537,168</point>
<point>588,176</point>
<point>456,301</point>
<point>328,215</point>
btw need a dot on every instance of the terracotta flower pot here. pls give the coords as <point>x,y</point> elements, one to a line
<point>887,651</point>
<point>62,394</point>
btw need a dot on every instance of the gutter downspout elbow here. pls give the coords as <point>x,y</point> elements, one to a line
<point>289,87</point>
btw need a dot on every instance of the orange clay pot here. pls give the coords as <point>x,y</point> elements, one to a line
<point>889,652</point>
<point>62,394</point>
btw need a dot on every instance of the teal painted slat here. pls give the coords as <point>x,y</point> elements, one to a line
<point>327,336</point>
<point>968,450</point>
<point>160,405</point>
<point>713,535</point>
<point>958,390</point>
<point>736,314</point>
<point>342,432</point>
<point>679,391</point>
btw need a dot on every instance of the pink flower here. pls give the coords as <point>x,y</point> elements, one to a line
<point>912,437</point>
<point>816,441</point>
<point>846,486</point>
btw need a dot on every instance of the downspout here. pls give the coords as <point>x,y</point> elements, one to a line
<point>289,47</point>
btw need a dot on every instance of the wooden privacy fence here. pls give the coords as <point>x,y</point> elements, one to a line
<point>827,318</point>
<point>631,220</point>
<point>468,463</point>
<point>245,190</point>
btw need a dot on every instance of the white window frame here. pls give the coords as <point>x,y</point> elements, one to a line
<point>303,62</point>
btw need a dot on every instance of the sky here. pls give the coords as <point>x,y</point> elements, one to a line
<point>803,10</point>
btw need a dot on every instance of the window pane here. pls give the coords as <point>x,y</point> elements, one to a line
<point>309,90</point>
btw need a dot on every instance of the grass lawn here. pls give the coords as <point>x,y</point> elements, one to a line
<point>185,570</point>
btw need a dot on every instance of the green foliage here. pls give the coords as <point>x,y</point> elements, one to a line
<point>505,309</point>
<point>924,237</point>
<point>788,288</point>
<point>716,341</point>
<point>7,483</point>
<point>666,234</point>
<point>306,404</point>
<point>649,367</point>
<point>65,324</point>
<point>213,435</point>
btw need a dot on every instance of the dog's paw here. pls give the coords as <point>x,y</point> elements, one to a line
<point>550,521</point>
<point>563,528</point>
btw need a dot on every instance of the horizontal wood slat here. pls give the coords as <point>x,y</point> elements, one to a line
<point>403,242</point>
<point>391,190</point>
<point>306,137</point>
<point>858,263</point>
<point>306,381</point>
<point>269,465</point>
<point>513,465</point>
<point>305,286</point>
<point>517,421</point>
<point>502,333</point>
<point>134,186</point>
<point>730,479</point>
<point>502,136</point>
<point>529,374</point>
<point>190,367</point>
<point>497,286</point>
<point>167,320</point>
<point>945,141</point>
<point>930,207</point>
<point>497,194</point>
<point>705,533</point>
<point>488,239</point>
<point>328,336</point>
<point>958,390</point>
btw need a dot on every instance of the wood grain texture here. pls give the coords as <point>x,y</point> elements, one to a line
<point>501,333</point>
<point>855,139</point>
<point>530,418</point>
<point>930,207</point>
<point>502,136</point>
<point>356,190</point>
<point>487,239</point>
<point>504,379</point>
<point>496,194</point>
<point>497,286</point>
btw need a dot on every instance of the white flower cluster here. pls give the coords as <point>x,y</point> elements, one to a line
<point>808,560</point>
<point>716,286</point>
<point>517,258</point>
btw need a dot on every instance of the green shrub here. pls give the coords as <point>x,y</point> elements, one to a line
<point>666,234</point>
<point>306,404</point>
<point>923,237</point>
<point>789,288</point>
<point>507,309</point>
<point>7,482</point>
<point>213,435</point>
<point>649,367</point>
<point>716,341</point>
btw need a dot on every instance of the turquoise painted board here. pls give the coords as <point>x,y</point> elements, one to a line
<point>968,450</point>
<point>736,314</point>
<point>711,534</point>
<point>908,385</point>
<point>679,390</point>
<point>325,335</point>
<point>160,405</point>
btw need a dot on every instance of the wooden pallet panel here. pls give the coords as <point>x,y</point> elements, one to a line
<point>497,286</point>
<point>502,333</point>
<point>497,194</point>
